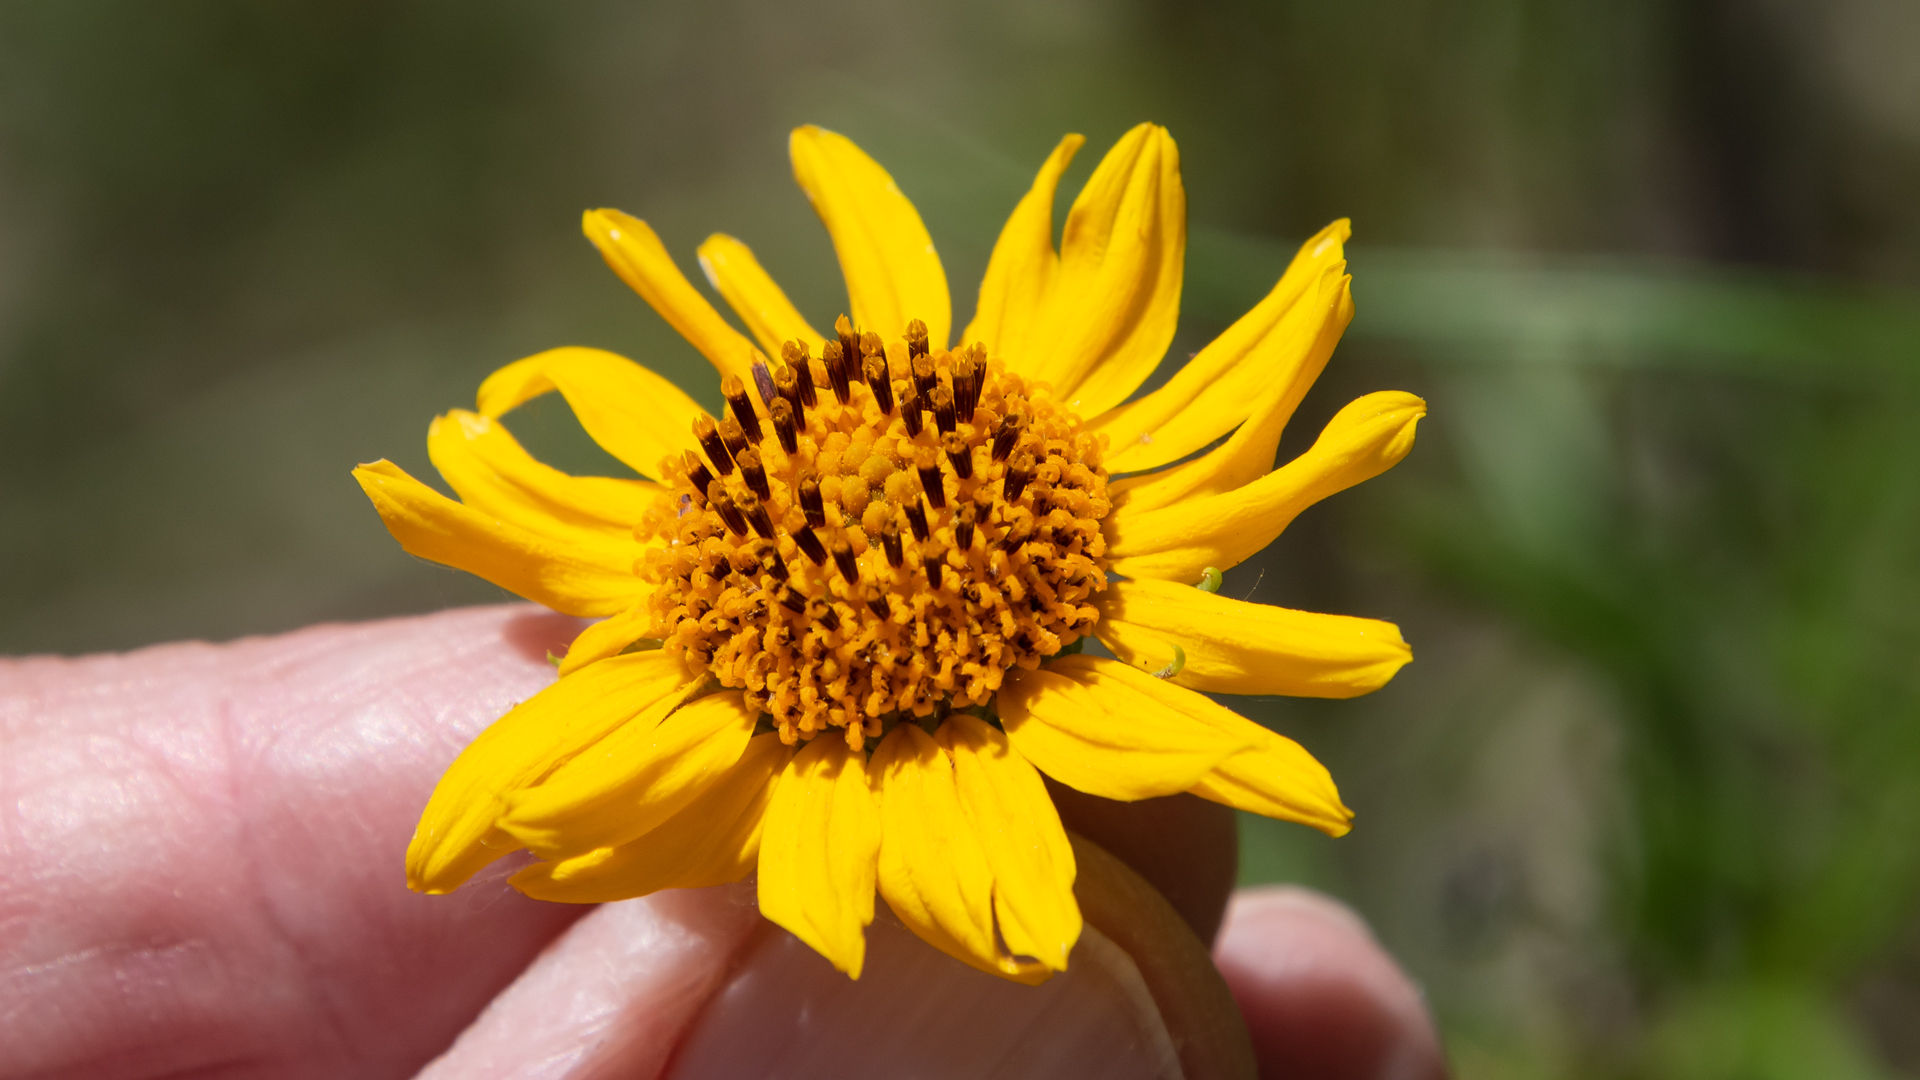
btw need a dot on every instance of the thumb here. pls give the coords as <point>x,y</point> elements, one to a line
<point>693,984</point>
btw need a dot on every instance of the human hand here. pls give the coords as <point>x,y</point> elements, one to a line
<point>200,875</point>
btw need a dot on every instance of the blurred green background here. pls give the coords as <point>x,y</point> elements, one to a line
<point>1646,806</point>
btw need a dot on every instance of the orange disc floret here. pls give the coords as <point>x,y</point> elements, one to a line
<point>935,523</point>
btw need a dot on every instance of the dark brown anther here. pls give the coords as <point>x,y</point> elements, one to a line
<point>723,504</point>
<point>1019,471</point>
<point>771,562</point>
<point>754,473</point>
<point>917,520</point>
<point>795,354</point>
<point>833,358</point>
<point>756,514</point>
<point>1015,539</point>
<point>941,400</point>
<point>876,601</point>
<point>786,382</point>
<point>791,599</point>
<point>931,562</point>
<point>849,340</point>
<point>925,375</point>
<point>735,392</point>
<point>879,381</point>
<point>910,410</point>
<point>916,338</point>
<point>707,434</point>
<point>843,558</point>
<point>966,382</point>
<point>763,378</point>
<point>811,502</point>
<point>963,519</point>
<point>781,413</point>
<point>959,452</point>
<point>810,545</point>
<point>1011,425</point>
<point>697,475</point>
<point>822,612</point>
<point>890,542</point>
<point>927,463</point>
<point>733,436</point>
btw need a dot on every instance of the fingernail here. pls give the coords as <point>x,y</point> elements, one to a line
<point>918,1012</point>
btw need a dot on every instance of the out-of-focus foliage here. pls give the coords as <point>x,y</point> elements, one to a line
<point>1648,804</point>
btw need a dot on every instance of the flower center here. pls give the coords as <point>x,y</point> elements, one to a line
<point>890,533</point>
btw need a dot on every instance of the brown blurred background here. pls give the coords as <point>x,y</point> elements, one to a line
<point>1646,805</point>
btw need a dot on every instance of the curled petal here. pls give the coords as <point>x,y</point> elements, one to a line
<point>1100,727</point>
<point>1220,386</point>
<point>1021,272</point>
<point>577,576</point>
<point>818,852</point>
<point>1179,542</point>
<point>1116,297</point>
<point>714,840</point>
<point>489,470</point>
<point>457,834</point>
<point>633,414</point>
<point>1233,647</point>
<point>633,779</point>
<point>754,296</point>
<point>893,274</point>
<point>1308,336</point>
<point>637,255</point>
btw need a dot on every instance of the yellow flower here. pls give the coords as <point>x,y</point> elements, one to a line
<point>841,626</point>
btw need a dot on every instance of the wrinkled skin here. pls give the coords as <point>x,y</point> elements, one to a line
<point>200,875</point>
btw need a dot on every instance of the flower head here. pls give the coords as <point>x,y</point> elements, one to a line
<point>841,623</point>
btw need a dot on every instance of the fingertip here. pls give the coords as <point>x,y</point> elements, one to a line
<point>1321,999</point>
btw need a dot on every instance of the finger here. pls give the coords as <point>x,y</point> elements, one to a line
<point>201,850</point>
<point>694,983</point>
<point>1321,999</point>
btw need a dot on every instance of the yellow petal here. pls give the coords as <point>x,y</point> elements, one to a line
<point>457,833</point>
<point>1308,339</point>
<point>1101,727</point>
<point>1218,387</point>
<point>637,255</point>
<point>715,840</point>
<point>1233,647</point>
<point>606,638</point>
<point>578,578</point>
<point>1026,846</point>
<point>754,296</point>
<point>634,414</point>
<point>1179,542</point>
<point>1116,296</point>
<point>893,274</point>
<point>633,779</point>
<point>1278,779</point>
<point>1020,273</point>
<point>818,852</point>
<point>932,871</point>
<point>489,470</point>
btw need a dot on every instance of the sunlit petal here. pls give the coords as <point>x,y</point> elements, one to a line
<point>893,274</point>
<point>457,834</point>
<point>579,577</point>
<point>1178,542</point>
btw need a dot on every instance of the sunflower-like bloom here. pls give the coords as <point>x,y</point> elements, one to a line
<point>841,625</point>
